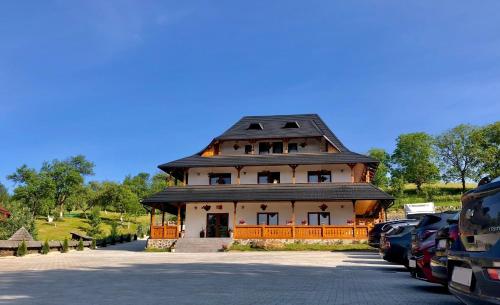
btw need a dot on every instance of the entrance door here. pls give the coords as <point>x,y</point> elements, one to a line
<point>217,225</point>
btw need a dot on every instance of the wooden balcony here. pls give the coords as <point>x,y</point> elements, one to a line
<point>164,232</point>
<point>300,232</point>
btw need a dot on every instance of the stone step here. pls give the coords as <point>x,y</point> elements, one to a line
<point>195,245</point>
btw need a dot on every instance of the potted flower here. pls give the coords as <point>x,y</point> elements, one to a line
<point>242,222</point>
<point>230,231</point>
<point>303,222</point>
<point>202,233</point>
<point>289,222</point>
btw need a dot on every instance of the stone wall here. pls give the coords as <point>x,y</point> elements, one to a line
<point>160,243</point>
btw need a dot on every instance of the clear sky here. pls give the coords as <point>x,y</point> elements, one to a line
<point>132,84</point>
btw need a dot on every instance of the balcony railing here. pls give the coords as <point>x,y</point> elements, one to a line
<point>300,232</point>
<point>164,232</point>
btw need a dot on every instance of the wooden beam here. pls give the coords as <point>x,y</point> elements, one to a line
<point>293,218</point>
<point>163,218</point>
<point>179,229</point>
<point>352,165</point>
<point>235,204</point>
<point>238,176</point>
<point>293,166</point>
<point>354,209</point>
<point>152,221</point>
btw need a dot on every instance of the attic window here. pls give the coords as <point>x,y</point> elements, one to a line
<point>255,126</point>
<point>291,125</point>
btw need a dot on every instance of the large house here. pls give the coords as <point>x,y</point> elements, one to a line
<point>271,177</point>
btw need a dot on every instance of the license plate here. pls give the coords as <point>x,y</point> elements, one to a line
<point>442,244</point>
<point>462,276</point>
<point>412,263</point>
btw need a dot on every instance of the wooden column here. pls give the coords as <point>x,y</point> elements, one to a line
<point>238,176</point>
<point>354,224</point>
<point>152,221</point>
<point>293,219</point>
<point>235,204</point>
<point>293,166</point>
<point>285,146</point>
<point>352,165</point>
<point>184,177</point>
<point>163,218</point>
<point>179,229</point>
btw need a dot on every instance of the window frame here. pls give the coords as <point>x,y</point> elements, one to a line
<point>318,175</point>
<point>264,152</point>
<point>267,218</point>
<point>248,152</point>
<point>296,148</point>
<point>269,177</point>
<point>318,214</point>
<point>273,144</point>
<point>228,175</point>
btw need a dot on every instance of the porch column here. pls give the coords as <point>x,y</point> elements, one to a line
<point>354,209</point>
<point>152,222</point>
<point>163,218</point>
<point>235,203</point>
<point>293,166</point>
<point>285,146</point>
<point>238,176</point>
<point>179,229</point>
<point>352,165</point>
<point>293,218</point>
<point>184,177</point>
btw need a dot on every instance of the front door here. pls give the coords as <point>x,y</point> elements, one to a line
<point>217,225</point>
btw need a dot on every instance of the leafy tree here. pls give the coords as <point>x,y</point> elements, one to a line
<point>413,159</point>
<point>120,197</point>
<point>95,223</point>
<point>139,184</point>
<point>45,247</point>
<point>65,246</point>
<point>80,246</point>
<point>381,178</point>
<point>22,249</point>
<point>159,182</point>
<point>67,176</point>
<point>21,216</point>
<point>4,194</point>
<point>33,189</point>
<point>459,154</point>
<point>488,138</point>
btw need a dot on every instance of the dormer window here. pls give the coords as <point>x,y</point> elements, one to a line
<point>255,126</point>
<point>291,125</point>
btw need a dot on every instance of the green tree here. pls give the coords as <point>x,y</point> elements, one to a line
<point>22,249</point>
<point>94,223</point>
<point>120,198</point>
<point>33,189</point>
<point>46,247</point>
<point>459,154</point>
<point>381,178</point>
<point>21,216</point>
<point>68,177</point>
<point>4,194</point>
<point>488,138</point>
<point>139,184</point>
<point>159,183</point>
<point>413,159</point>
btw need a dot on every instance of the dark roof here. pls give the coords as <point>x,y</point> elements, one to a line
<point>271,159</point>
<point>21,234</point>
<point>311,125</point>
<point>268,192</point>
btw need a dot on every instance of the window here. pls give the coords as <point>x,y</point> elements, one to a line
<point>264,148</point>
<point>248,149</point>
<point>267,219</point>
<point>255,126</point>
<point>318,218</point>
<point>277,147</point>
<point>291,125</point>
<point>319,176</point>
<point>220,178</point>
<point>292,148</point>
<point>268,177</point>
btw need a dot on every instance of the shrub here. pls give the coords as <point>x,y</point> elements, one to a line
<point>65,246</point>
<point>80,245</point>
<point>94,223</point>
<point>93,244</point>
<point>45,247</point>
<point>22,250</point>
<point>140,230</point>
<point>114,232</point>
<point>128,237</point>
<point>135,236</point>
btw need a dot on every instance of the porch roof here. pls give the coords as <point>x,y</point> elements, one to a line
<point>269,192</point>
<point>271,159</point>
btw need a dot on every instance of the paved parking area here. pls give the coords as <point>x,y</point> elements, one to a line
<point>123,274</point>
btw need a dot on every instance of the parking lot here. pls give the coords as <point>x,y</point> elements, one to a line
<point>123,274</point>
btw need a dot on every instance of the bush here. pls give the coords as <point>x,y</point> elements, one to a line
<point>128,237</point>
<point>80,245</point>
<point>45,247</point>
<point>22,250</point>
<point>140,230</point>
<point>65,247</point>
<point>114,232</point>
<point>94,223</point>
<point>135,236</point>
<point>93,244</point>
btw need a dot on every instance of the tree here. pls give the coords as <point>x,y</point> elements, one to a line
<point>139,184</point>
<point>95,223</point>
<point>4,194</point>
<point>159,182</point>
<point>459,154</point>
<point>33,189</point>
<point>413,159</point>
<point>488,138</point>
<point>381,178</point>
<point>21,216</point>
<point>120,198</point>
<point>67,176</point>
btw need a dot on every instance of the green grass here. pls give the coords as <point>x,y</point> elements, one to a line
<point>76,222</point>
<point>303,247</point>
<point>156,250</point>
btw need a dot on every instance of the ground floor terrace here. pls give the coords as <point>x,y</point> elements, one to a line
<point>125,274</point>
<point>224,212</point>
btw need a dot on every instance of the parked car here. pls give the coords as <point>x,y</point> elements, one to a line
<point>394,244</point>
<point>423,241</point>
<point>474,273</point>
<point>378,229</point>
<point>446,239</point>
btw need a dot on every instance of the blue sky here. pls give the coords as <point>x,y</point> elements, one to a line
<point>132,84</point>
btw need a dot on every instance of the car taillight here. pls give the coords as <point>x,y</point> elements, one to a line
<point>493,273</point>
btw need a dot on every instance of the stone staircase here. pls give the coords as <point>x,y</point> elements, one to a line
<point>196,245</point>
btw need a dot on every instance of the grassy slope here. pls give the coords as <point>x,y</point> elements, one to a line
<point>75,222</point>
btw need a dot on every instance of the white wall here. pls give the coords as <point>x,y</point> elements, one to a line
<point>196,217</point>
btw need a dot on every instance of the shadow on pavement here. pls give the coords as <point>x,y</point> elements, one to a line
<point>134,246</point>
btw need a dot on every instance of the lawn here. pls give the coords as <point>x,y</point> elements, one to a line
<point>76,222</point>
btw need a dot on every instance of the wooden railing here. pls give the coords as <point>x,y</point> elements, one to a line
<point>300,232</point>
<point>164,232</point>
